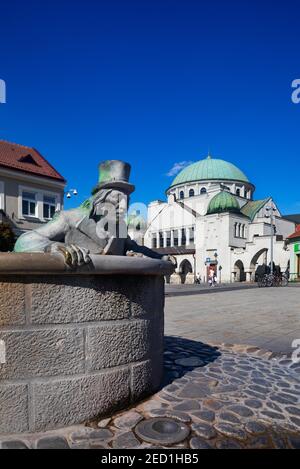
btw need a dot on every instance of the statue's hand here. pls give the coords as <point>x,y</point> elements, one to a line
<point>170,259</point>
<point>73,254</point>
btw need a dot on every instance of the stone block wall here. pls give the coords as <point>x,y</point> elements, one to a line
<point>77,346</point>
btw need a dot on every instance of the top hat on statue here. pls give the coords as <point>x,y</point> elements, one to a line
<point>114,174</point>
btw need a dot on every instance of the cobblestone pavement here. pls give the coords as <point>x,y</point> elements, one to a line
<point>229,396</point>
<point>267,318</point>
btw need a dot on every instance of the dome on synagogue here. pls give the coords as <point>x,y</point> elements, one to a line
<point>223,202</point>
<point>208,170</point>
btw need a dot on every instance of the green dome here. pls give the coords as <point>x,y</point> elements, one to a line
<point>223,202</point>
<point>209,169</point>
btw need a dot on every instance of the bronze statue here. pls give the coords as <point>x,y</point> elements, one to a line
<point>98,226</point>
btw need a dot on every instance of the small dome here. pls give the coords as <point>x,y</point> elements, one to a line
<point>223,202</point>
<point>208,170</point>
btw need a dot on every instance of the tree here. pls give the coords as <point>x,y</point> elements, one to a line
<point>7,237</point>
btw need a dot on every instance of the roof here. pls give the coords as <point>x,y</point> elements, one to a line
<point>26,159</point>
<point>251,208</point>
<point>296,234</point>
<point>223,202</point>
<point>294,218</point>
<point>210,169</point>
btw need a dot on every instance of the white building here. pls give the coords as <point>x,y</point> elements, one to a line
<point>210,220</point>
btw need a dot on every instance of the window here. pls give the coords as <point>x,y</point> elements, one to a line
<point>28,204</point>
<point>238,192</point>
<point>154,242</point>
<point>192,234</point>
<point>181,195</point>
<point>48,207</point>
<point>191,193</point>
<point>203,190</point>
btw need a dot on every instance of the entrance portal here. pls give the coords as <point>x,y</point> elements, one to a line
<point>239,270</point>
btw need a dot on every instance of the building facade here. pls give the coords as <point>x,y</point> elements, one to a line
<point>31,190</point>
<point>294,248</point>
<point>210,220</point>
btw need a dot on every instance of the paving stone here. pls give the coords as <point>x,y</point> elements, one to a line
<point>255,427</point>
<point>88,433</point>
<point>207,415</point>
<point>103,423</point>
<point>260,442</point>
<point>273,415</point>
<point>231,430</point>
<point>194,391</point>
<point>199,443</point>
<point>294,441</point>
<point>273,406</point>
<point>189,361</point>
<point>296,421</point>
<point>278,442</point>
<point>13,444</point>
<point>229,417</point>
<point>187,405</point>
<point>125,441</point>
<point>52,442</point>
<point>253,403</point>
<point>213,403</point>
<point>228,444</point>
<point>293,410</point>
<point>128,420</point>
<point>204,430</point>
<point>241,410</point>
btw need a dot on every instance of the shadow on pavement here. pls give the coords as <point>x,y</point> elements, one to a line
<point>184,355</point>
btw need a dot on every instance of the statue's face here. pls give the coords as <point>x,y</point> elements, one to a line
<point>116,201</point>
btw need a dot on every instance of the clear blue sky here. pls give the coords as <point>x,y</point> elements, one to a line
<point>155,82</point>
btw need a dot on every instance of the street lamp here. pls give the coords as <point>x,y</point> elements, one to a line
<point>71,192</point>
<point>270,214</point>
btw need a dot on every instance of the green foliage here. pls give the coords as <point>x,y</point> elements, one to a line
<point>7,237</point>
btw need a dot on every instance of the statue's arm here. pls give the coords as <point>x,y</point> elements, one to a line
<point>41,239</point>
<point>131,245</point>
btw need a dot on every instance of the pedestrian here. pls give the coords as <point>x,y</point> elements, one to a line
<point>211,277</point>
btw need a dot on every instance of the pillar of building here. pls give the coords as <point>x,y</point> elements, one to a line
<point>248,276</point>
<point>165,238</point>
<point>172,238</point>
<point>187,236</point>
<point>179,237</point>
<point>157,240</point>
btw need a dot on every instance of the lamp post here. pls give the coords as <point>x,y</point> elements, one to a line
<point>270,214</point>
<point>71,192</point>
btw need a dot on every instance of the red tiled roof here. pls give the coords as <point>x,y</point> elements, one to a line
<point>26,159</point>
<point>296,234</point>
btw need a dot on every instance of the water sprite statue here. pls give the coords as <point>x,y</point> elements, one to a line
<point>98,226</point>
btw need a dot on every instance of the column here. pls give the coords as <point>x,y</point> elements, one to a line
<point>157,240</point>
<point>179,237</point>
<point>165,239</point>
<point>187,236</point>
<point>40,204</point>
<point>172,238</point>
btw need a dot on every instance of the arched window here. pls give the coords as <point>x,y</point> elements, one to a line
<point>238,192</point>
<point>181,195</point>
<point>235,230</point>
<point>203,190</point>
<point>191,193</point>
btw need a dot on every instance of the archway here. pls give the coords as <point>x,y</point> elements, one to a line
<point>185,268</point>
<point>260,258</point>
<point>239,271</point>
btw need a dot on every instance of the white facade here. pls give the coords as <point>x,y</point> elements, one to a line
<point>233,243</point>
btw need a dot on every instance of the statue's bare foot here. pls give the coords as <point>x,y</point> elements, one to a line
<point>170,259</point>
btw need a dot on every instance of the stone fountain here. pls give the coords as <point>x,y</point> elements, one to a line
<point>81,321</point>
